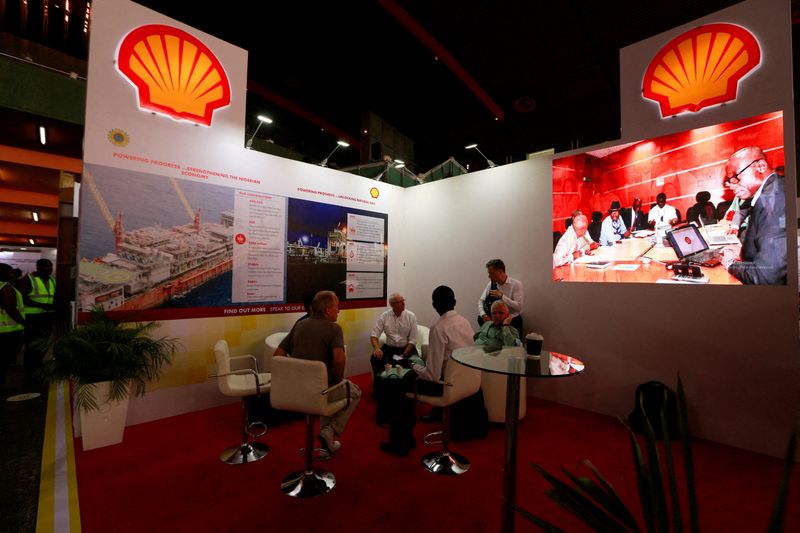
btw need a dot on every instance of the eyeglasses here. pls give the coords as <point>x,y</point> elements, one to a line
<point>733,180</point>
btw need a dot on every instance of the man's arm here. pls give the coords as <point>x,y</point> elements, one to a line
<point>339,360</point>
<point>606,233</point>
<point>513,299</point>
<point>412,334</point>
<point>432,369</point>
<point>481,312</point>
<point>510,333</point>
<point>563,255</point>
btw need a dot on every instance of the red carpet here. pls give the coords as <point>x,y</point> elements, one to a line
<point>166,476</point>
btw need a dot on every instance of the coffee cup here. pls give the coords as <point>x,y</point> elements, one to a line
<point>533,344</point>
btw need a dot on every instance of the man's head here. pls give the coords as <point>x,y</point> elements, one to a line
<point>746,171</point>
<point>637,204</point>
<point>496,270</point>
<point>499,312</point>
<point>397,303</point>
<point>661,199</point>
<point>325,305</point>
<point>6,273</point>
<point>580,225</point>
<point>613,211</point>
<point>444,299</point>
<point>44,267</point>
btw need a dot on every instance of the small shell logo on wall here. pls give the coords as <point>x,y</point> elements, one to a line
<point>240,238</point>
<point>374,192</point>
<point>701,68</point>
<point>174,73</point>
<point>118,137</point>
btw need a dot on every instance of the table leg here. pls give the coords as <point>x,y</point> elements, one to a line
<point>510,456</point>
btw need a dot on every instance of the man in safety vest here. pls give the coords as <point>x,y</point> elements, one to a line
<point>38,292</point>
<point>12,322</point>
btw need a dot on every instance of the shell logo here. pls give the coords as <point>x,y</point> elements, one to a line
<point>701,68</point>
<point>174,73</point>
<point>374,192</point>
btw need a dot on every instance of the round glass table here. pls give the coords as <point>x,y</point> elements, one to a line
<point>514,363</point>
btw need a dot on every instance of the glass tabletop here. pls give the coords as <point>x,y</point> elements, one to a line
<point>514,361</point>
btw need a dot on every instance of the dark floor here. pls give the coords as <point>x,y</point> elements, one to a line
<point>22,426</point>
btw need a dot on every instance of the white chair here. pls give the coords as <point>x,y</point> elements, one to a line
<point>494,395</point>
<point>302,386</point>
<point>459,382</point>
<point>271,343</point>
<point>241,384</point>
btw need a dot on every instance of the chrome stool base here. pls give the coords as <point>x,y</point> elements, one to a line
<point>244,453</point>
<point>445,463</point>
<point>308,483</point>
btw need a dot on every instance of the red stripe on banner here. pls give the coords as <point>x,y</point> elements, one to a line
<point>230,310</point>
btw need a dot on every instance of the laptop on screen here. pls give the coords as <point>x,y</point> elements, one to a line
<point>689,245</point>
<point>717,237</point>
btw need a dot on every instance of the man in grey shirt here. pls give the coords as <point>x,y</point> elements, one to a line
<point>320,338</point>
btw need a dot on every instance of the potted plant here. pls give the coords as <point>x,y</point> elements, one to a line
<point>106,359</point>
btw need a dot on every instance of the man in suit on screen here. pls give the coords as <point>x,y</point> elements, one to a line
<point>763,255</point>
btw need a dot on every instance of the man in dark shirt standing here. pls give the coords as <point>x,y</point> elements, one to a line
<point>320,338</point>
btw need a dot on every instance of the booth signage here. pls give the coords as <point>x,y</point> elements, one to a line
<point>175,74</point>
<point>701,68</point>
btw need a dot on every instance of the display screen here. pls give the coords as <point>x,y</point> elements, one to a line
<point>620,205</point>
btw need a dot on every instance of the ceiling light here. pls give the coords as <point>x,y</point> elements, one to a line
<point>399,162</point>
<point>261,120</point>
<point>30,240</point>
<point>324,162</point>
<point>42,135</point>
<point>475,146</point>
<point>35,216</point>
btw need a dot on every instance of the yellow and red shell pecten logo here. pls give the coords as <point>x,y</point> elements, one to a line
<point>374,192</point>
<point>174,73</point>
<point>701,68</point>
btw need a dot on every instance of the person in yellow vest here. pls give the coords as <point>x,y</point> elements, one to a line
<point>38,293</point>
<point>12,322</point>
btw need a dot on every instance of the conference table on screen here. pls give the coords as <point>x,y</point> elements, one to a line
<point>627,267</point>
<point>515,364</point>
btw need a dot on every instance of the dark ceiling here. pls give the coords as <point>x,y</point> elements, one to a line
<point>551,68</point>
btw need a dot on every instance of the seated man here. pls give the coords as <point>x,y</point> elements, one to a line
<point>499,332</point>
<point>574,243</point>
<point>451,331</point>
<point>613,228</point>
<point>400,327</point>
<point>662,216</point>
<point>320,338</point>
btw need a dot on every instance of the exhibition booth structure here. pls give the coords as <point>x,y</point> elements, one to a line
<point>182,224</point>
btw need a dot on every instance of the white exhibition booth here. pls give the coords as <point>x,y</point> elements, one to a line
<point>736,348</point>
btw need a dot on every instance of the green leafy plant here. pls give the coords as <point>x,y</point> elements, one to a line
<point>595,502</point>
<point>104,349</point>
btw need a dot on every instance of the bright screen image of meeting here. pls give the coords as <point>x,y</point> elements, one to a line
<point>698,172</point>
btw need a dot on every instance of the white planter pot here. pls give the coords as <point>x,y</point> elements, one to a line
<point>106,425</point>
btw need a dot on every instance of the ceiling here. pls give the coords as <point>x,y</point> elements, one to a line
<point>513,76</point>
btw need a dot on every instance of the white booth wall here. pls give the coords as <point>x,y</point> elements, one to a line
<point>736,348</point>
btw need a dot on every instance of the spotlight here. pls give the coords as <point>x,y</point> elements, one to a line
<point>475,146</point>
<point>261,120</point>
<point>324,162</point>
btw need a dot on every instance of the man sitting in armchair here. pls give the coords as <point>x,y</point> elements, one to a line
<point>498,332</point>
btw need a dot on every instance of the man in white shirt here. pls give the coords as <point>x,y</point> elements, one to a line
<point>574,243</point>
<point>400,327</point>
<point>662,216</point>
<point>451,331</point>
<point>501,287</point>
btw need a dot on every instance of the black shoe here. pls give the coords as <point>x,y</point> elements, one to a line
<point>394,448</point>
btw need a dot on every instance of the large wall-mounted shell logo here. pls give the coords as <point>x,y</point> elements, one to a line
<point>175,74</point>
<point>701,68</point>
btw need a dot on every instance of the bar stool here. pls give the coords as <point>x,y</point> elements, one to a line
<point>302,386</point>
<point>459,383</point>
<point>271,343</point>
<point>241,384</point>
